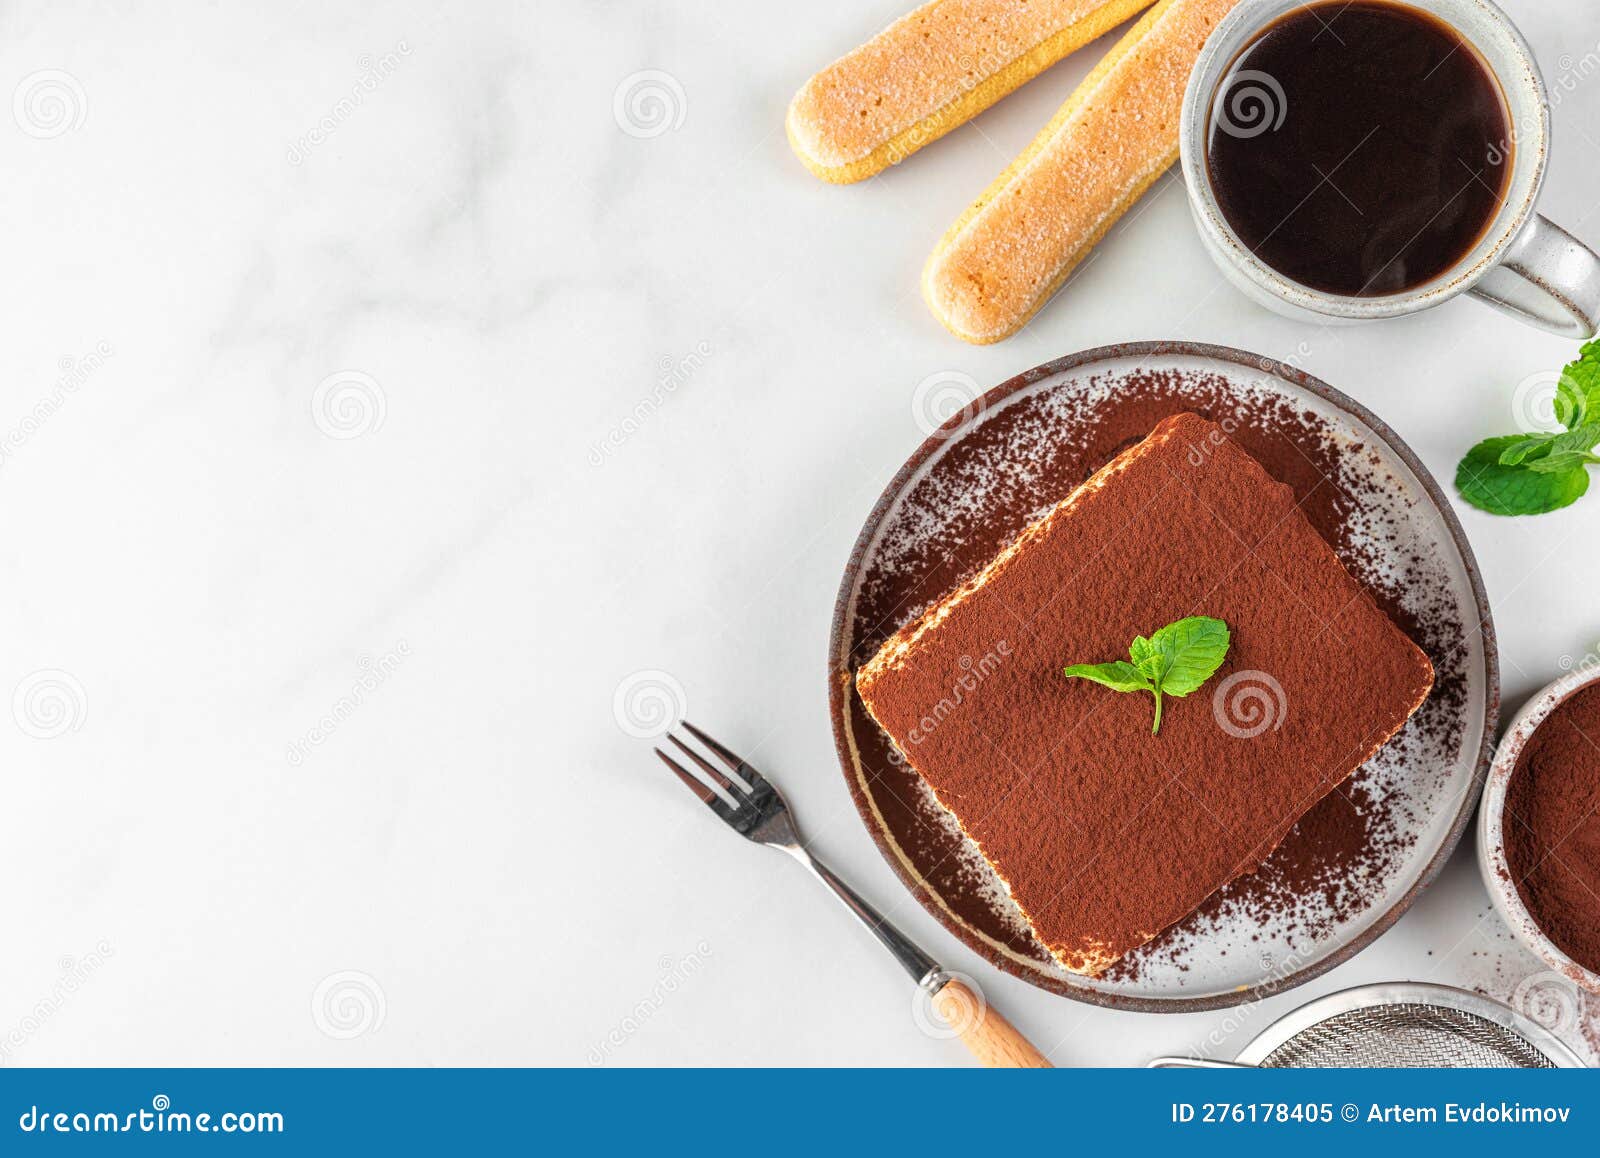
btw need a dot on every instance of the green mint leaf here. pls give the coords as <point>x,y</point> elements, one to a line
<point>1151,664</point>
<point>1562,463</point>
<point>1194,648</point>
<point>1566,451</point>
<point>1578,392</point>
<point>1119,675</point>
<point>1153,668</point>
<point>1491,486</point>
<point>1572,407</point>
<point>1173,661</point>
<point>1530,474</point>
<point>1520,448</point>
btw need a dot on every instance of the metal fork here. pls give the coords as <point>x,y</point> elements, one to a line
<point>759,813</point>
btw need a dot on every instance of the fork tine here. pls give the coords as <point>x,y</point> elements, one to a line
<point>708,797</point>
<point>709,768</point>
<point>728,757</point>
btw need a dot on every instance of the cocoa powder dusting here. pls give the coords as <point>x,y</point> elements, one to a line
<point>1552,826</point>
<point>1010,469</point>
<point>1107,833</point>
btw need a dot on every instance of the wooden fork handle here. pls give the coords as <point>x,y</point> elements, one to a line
<point>992,1039</point>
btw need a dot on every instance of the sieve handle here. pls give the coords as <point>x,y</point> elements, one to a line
<point>1194,1063</point>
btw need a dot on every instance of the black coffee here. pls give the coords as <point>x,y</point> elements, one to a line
<point>1361,149</point>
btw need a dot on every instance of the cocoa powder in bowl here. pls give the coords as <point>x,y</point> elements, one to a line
<point>1552,826</point>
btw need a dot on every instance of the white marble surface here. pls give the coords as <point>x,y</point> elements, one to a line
<point>222,259</point>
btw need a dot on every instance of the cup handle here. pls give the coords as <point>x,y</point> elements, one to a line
<point>1549,279</point>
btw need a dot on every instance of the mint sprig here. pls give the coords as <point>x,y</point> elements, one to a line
<point>1531,474</point>
<point>1173,661</point>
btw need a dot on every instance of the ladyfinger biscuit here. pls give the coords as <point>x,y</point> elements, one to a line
<point>1017,243</point>
<point>930,71</point>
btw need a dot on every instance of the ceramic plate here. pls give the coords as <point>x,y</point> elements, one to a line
<point>1357,859</point>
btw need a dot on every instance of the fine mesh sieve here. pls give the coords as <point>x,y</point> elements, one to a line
<point>1402,1026</point>
<point>1407,1035</point>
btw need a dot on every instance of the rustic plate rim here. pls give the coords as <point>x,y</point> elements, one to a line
<point>841,685</point>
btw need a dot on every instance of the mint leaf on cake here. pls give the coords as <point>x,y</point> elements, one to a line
<point>1193,648</point>
<point>1119,675</point>
<point>1174,661</point>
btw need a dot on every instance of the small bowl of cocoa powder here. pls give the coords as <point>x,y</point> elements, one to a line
<point>1539,826</point>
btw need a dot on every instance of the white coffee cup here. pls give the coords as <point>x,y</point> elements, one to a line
<point>1524,263</point>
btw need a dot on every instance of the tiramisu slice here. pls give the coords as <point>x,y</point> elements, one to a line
<point>1105,833</point>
